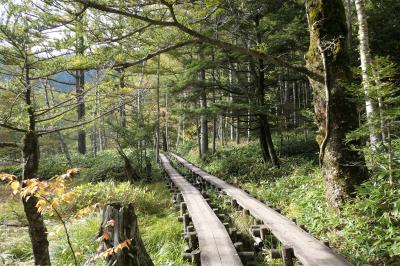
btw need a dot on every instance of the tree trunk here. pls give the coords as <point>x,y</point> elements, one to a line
<point>203,116</point>
<point>122,111</point>
<point>347,5</point>
<point>198,137</point>
<point>37,228</point>
<point>80,83</point>
<point>123,230</point>
<point>30,158</point>
<point>365,57</point>
<point>266,143</point>
<point>166,122</point>
<point>158,111</point>
<point>130,172</point>
<point>64,147</point>
<point>164,142</point>
<point>342,167</point>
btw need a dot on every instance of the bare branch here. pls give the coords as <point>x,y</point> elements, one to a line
<point>49,131</point>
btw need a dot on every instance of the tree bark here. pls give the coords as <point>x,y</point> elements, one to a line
<point>164,142</point>
<point>30,158</point>
<point>347,5</point>
<point>122,111</point>
<point>166,122</point>
<point>158,111</point>
<point>37,228</point>
<point>365,57</point>
<point>79,86</point>
<point>123,229</point>
<point>267,146</point>
<point>203,116</point>
<point>336,115</point>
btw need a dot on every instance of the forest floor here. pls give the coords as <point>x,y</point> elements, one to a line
<point>359,231</point>
<point>158,224</point>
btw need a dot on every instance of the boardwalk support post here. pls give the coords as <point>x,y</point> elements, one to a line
<point>287,254</point>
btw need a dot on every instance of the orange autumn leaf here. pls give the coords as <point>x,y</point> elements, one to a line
<point>106,235</point>
<point>40,205</point>
<point>14,186</point>
<point>124,244</point>
<point>4,177</point>
<point>69,197</point>
<point>55,204</point>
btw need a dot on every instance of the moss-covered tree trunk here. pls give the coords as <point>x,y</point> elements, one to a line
<point>336,114</point>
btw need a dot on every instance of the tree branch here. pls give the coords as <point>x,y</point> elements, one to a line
<point>151,55</point>
<point>49,131</point>
<point>12,127</point>
<point>218,43</point>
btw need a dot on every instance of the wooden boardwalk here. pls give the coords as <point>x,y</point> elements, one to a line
<point>216,247</point>
<point>307,249</point>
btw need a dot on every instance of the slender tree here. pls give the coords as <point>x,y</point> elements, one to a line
<point>371,106</point>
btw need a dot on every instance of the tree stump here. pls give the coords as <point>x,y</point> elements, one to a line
<point>121,238</point>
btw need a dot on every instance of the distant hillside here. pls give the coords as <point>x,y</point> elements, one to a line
<point>64,81</point>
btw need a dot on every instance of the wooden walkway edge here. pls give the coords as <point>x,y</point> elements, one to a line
<point>307,249</point>
<point>216,247</point>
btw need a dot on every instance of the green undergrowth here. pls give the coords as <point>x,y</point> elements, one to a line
<point>365,230</point>
<point>106,165</point>
<point>158,224</point>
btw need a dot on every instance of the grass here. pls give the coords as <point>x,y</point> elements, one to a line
<point>158,224</point>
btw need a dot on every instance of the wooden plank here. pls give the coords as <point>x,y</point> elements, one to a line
<point>216,248</point>
<point>307,249</point>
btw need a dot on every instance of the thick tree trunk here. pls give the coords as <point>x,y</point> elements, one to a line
<point>342,167</point>
<point>120,226</point>
<point>37,228</point>
<point>371,106</point>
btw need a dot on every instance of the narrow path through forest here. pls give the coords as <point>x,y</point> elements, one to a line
<point>307,249</point>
